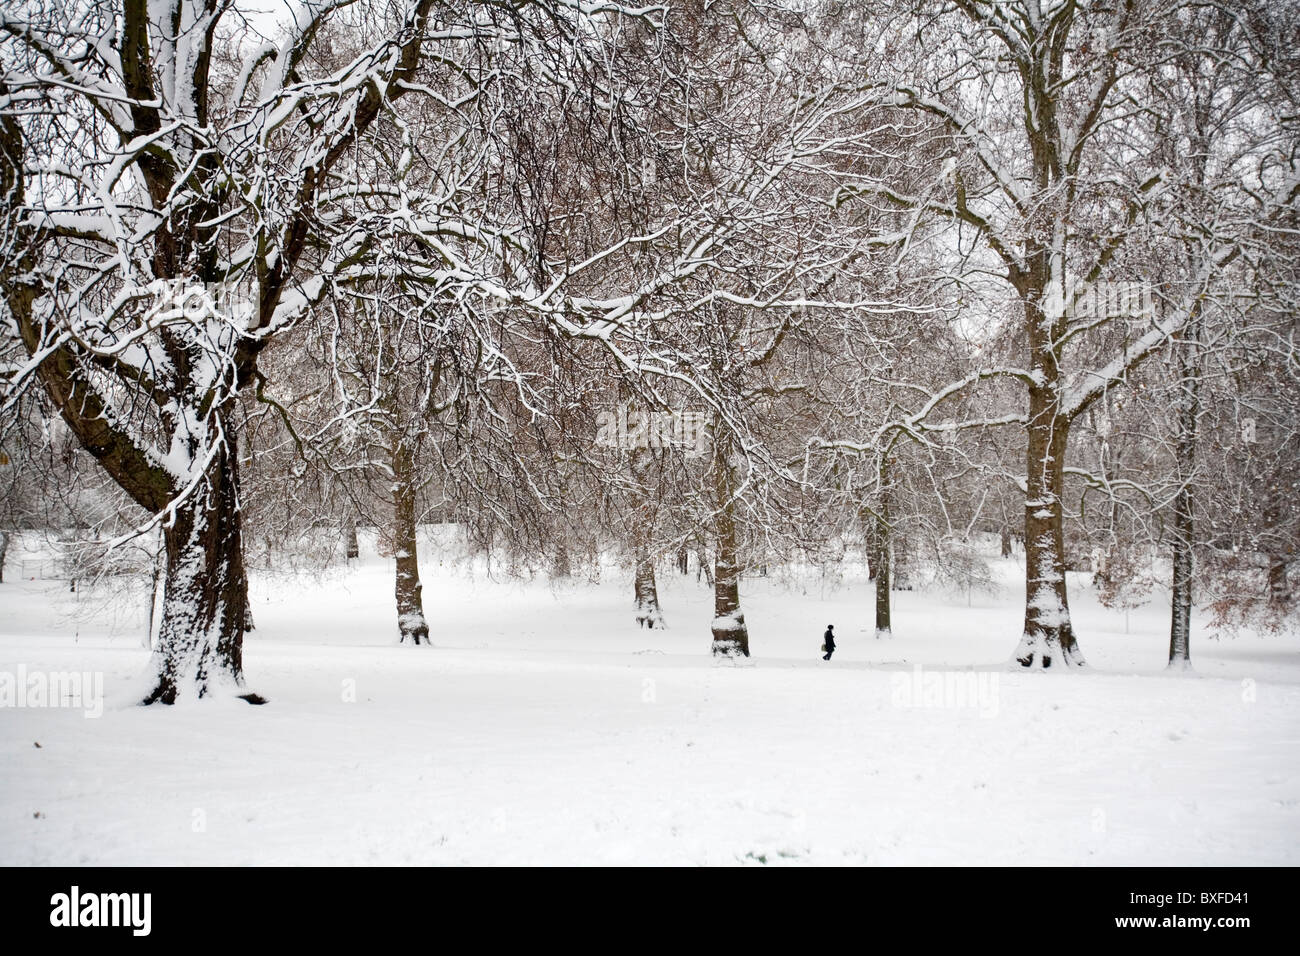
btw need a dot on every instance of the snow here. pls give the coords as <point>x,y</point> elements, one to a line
<point>545,726</point>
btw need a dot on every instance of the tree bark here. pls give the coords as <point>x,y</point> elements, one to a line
<point>880,555</point>
<point>410,604</point>
<point>1048,636</point>
<point>730,635</point>
<point>1189,408</point>
<point>155,580</point>
<point>644,517</point>
<point>648,613</point>
<point>869,532</point>
<point>249,624</point>
<point>200,639</point>
<point>1279,587</point>
<point>1181,599</point>
<point>561,567</point>
<point>1276,577</point>
<point>703,567</point>
<point>4,549</point>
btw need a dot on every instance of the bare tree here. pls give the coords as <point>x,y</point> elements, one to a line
<point>1049,176</point>
<point>167,215</point>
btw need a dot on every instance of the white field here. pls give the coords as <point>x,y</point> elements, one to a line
<point>543,727</point>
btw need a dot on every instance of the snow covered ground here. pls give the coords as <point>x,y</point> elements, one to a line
<point>545,728</point>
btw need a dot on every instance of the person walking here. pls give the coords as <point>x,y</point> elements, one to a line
<point>828,642</point>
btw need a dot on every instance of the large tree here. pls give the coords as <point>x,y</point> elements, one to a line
<point>1053,183</point>
<point>176,197</point>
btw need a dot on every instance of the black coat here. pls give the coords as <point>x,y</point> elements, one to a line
<point>829,639</point>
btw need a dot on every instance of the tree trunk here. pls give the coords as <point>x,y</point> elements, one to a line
<point>869,533</point>
<point>683,560</point>
<point>644,516</point>
<point>1279,588</point>
<point>352,548</point>
<point>1276,578</point>
<point>410,605</point>
<point>4,548</point>
<point>1189,409</point>
<point>1048,635</point>
<point>703,567</point>
<point>200,638</point>
<point>1006,542</point>
<point>1181,624</point>
<point>561,567</point>
<point>648,613</point>
<point>880,555</point>
<point>155,591</point>
<point>730,635</point>
<point>248,607</point>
